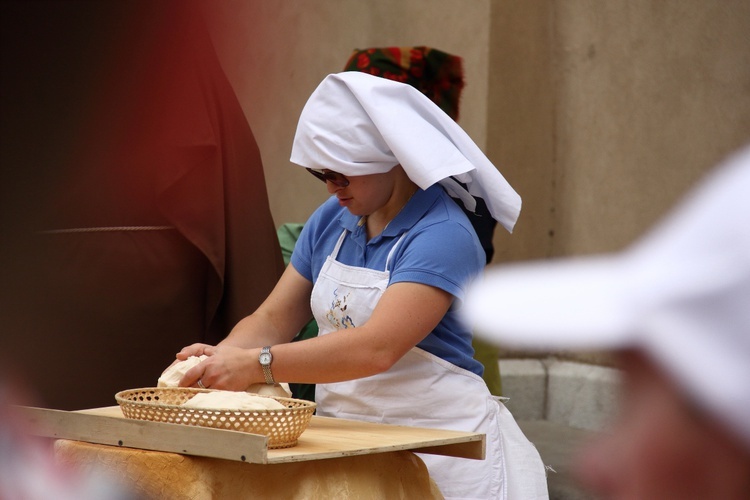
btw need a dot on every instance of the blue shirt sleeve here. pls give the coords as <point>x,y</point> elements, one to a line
<point>445,255</point>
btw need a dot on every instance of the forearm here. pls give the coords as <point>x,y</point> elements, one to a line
<point>335,357</point>
<point>279,317</point>
<point>331,358</point>
<point>405,315</point>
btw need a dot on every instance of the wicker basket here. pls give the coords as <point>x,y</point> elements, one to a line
<point>163,404</point>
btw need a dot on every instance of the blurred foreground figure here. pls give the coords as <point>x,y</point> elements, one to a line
<point>134,217</point>
<point>28,469</point>
<point>676,308</point>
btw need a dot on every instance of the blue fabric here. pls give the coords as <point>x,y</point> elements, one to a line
<point>441,249</point>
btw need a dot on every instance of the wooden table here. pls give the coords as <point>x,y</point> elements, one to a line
<point>333,458</point>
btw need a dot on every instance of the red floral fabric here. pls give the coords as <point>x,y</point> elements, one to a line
<point>435,73</point>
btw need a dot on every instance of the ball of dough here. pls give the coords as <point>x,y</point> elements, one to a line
<point>171,376</point>
<point>231,400</point>
<point>281,390</point>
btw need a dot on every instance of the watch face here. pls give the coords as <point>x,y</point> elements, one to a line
<point>265,358</point>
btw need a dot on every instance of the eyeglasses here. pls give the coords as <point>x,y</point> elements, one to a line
<point>336,178</point>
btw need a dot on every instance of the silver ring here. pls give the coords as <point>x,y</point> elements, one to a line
<point>200,384</point>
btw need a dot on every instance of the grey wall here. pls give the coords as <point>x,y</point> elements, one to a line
<point>600,113</point>
<point>604,113</point>
<point>276,52</point>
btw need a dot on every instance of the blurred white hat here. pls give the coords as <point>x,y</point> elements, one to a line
<point>358,124</point>
<point>681,293</point>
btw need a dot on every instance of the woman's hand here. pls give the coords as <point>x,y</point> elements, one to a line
<point>186,352</point>
<point>191,350</point>
<point>227,367</point>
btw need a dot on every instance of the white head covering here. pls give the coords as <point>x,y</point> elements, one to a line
<point>681,294</point>
<point>358,124</point>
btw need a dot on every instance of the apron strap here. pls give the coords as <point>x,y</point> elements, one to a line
<point>335,252</point>
<point>390,254</point>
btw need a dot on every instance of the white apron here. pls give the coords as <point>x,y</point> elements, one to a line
<point>423,390</point>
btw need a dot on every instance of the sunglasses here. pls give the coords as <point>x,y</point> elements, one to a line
<point>336,178</point>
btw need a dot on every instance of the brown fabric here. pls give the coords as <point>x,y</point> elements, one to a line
<point>121,115</point>
<point>170,476</point>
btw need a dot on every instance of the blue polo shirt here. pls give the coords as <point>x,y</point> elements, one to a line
<point>440,249</point>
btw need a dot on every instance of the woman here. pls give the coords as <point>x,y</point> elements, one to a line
<point>382,266</point>
<point>440,76</point>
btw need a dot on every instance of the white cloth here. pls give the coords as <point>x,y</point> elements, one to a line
<point>359,124</point>
<point>425,391</point>
<point>681,293</point>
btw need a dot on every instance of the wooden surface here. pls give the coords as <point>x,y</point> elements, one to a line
<point>324,437</point>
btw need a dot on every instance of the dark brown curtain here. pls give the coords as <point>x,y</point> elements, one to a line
<point>135,218</point>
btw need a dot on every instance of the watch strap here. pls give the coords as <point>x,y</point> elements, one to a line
<point>267,367</point>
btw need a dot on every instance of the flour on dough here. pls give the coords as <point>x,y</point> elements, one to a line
<point>231,400</point>
<point>281,390</point>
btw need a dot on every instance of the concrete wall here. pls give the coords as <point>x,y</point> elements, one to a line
<point>276,52</point>
<point>604,113</point>
<point>601,114</point>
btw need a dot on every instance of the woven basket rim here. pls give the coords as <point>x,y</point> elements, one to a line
<point>282,426</point>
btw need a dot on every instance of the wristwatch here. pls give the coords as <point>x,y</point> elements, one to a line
<point>265,359</point>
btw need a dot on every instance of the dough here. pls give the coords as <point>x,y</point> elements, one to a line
<point>172,376</point>
<point>281,390</point>
<point>231,400</point>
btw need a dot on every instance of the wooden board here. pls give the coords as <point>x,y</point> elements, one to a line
<point>335,437</point>
<point>111,429</point>
<point>324,437</point>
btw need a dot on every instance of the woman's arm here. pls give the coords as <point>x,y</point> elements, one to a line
<point>405,314</point>
<point>276,321</point>
<point>279,317</point>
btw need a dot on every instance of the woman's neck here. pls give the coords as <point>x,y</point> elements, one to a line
<point>377,221</point>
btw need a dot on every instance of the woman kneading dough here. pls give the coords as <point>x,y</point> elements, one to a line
<point>383,266</point>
